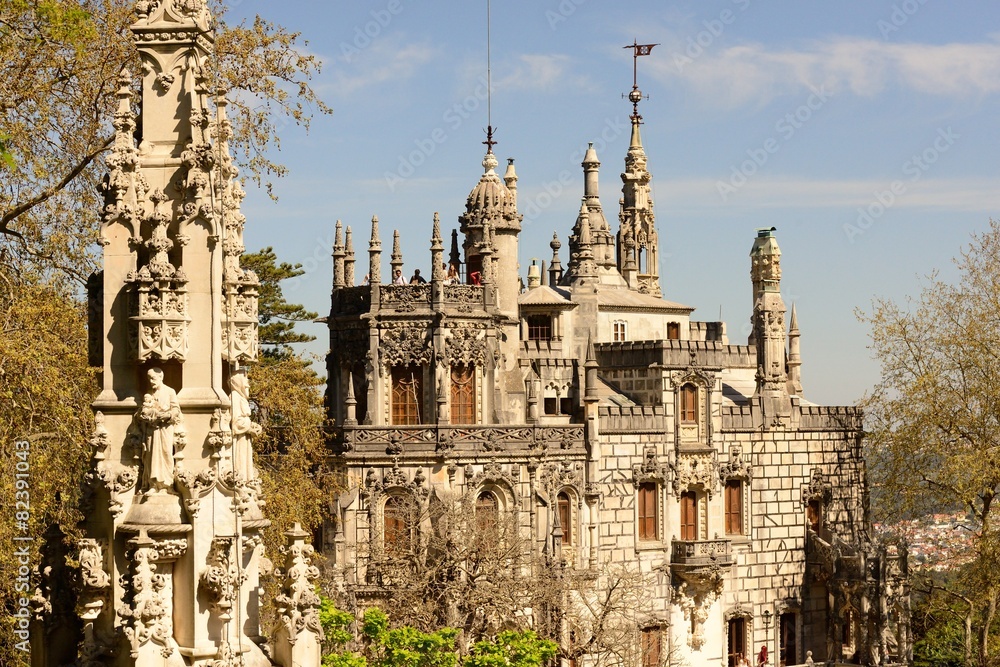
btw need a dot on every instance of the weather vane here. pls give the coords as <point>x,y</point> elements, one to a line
<point>490,143</point>
<point>636,94</point>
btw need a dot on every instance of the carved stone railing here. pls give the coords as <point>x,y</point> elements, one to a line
<point>465,298</point>
<point>701,553</point>
<point>405,298</point>
<point>432,438</point>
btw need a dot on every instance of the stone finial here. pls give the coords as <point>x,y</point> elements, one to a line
<point>351,401</point>
<point>374,255</point>
<point>590,377</point>
<point>338,255</point>
<point>298,633</point>
<point>765,262</point>
<point>396,259</point>
<point>437,251</point>
<point>794,355</point>
<point>454,255</point>
<point>555,267</point>
<point>348,258</point>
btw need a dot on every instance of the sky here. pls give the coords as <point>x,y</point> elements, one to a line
<point>865,131</point>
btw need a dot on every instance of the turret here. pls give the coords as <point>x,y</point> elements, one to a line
<point>375,255</point>
<point>637,230</point>
<point>338,255</point>
<point>769,329</point>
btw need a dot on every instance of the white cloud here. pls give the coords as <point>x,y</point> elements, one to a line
<point>751,74</point>
<point>955,194</point>
<point>539,72</point>
<point>388,59</point>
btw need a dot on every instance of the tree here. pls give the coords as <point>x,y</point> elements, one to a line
<point>59,61</point>
<point>277,317</point>
<point>474,567</point>
<point>934,422</point>
<point>287,400</point>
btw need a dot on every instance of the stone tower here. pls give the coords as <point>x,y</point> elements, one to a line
<point>171,554</point>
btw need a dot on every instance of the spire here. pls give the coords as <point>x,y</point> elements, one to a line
<point>555,267</point>
<point>590,392</point>
<point>338,255</point>
<point>437,250</point>
<point>351,401</point>
<point>604,242</point>
<point>794,355</point>
<point>374,255</point>
<point>396,259</point>
<point>586,268</point>
<point>348,258</point>
<point>769,329</point>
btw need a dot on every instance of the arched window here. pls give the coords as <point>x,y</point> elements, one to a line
<point>565,518</point>
<point>689,404</point>
<point>487,511</point>
<point>463,394</point>
<point>396,531</point>
<point>407,394</point>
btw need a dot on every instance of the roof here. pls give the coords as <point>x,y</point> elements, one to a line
<point>626,299</point>
<point>544,295</point>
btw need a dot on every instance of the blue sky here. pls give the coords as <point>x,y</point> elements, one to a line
<point>865,131</point>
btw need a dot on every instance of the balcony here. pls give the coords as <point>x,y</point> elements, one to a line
<point>694,556</point>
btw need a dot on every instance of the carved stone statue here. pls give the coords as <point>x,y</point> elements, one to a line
<point>160,417</point>
<point>243,427</point>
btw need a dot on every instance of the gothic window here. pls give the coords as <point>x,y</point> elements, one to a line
<point>689,515</point>
<point>539,327</point>
<point>689,404</point>
<point>463,394</point>
<point>407,395</point>
<point>734,507</point>
<point>620,330</point>
<point>565,518</point>
<point>737,640</point>
<point>649,511</point>
<point>847,630</point>
<point>649,645</point>
<point>787,653</point>
<point>396,529</point>
<point>814,513</point>
<point>673,331</point>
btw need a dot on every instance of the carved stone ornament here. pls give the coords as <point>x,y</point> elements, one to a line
<point>738,610</point>
<point>405,345</point>
<point>148,607</point>
<point>737,467</point>
<point>116,480</point>
<point>557,476</point>
<point>405,298</point>
<point>696,469</point>
<point>696,597</point>
<point>194,487</point>
<point>817,489</point>
<point>394,478</point>
<point>492,473</point>
<point>466,344</point>
<point>298,632</point>
<point>222,579</point>
<point>91,559</point>
<point>651,469</point>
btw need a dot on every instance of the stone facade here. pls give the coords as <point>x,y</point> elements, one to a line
<point>695,462</point>
<point>167,571</point>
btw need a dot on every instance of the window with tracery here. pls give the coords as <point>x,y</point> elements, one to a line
<point>407,395</point>
<point>463,394</point>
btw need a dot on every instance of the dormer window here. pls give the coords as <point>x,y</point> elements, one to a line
<point>539,327</point>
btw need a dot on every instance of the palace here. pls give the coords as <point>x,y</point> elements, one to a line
<point>613,431</point>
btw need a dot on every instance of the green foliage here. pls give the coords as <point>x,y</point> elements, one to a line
<point>406,646</point>
<point>941,644</point>
<point>277,317</point>
<point>512,649</point>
